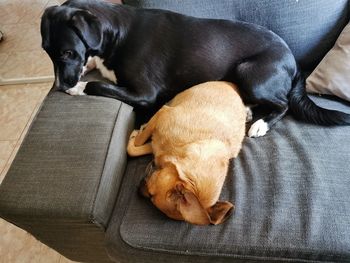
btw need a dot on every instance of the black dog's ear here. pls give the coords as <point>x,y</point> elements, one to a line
<point>45,26</point>
<point>88,27</point>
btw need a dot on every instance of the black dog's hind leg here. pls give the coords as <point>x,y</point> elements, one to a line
<point>265,80</point>
<point>144,98</point>
<point>261,126</point>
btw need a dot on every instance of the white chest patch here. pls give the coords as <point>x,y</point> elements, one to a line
<point>90,65</point>
<point>106,73</point>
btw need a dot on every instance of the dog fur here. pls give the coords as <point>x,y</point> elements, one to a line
<point>193,139</point>
<point>156,54</point>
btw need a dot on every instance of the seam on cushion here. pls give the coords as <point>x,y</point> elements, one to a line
<point>124,211</point>
<point>130,127</point>
<point>132,123</point>
<point>91,215</point>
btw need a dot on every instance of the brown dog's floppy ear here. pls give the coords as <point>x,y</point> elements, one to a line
<point>220,212</point>
<point>190,208</point>
<point>88,28</point>
<point>193,212</point>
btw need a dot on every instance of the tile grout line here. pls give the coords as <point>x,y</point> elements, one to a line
<point>27,80</point>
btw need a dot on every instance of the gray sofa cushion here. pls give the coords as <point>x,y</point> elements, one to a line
<point>64,181</point>
<point>291,191</point>
<point>309,27</point>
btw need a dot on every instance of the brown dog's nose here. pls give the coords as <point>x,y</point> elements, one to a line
<point>143,191</point>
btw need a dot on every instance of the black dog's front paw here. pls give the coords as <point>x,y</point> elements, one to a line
<point>96,88</point>
<point>91,90</point>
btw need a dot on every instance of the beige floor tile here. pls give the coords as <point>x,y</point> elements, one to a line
<point>6,149</point>
<point>65,260</point>
<point>21,11</point>
<point>47,253</point>
<point>33,10</point>
<point>13,154</point>
<point>43,90</point>
<point>45,66</point>
<point>21,37</point>
<point>17,104</point>
<point>13,240</point>
<point>27,253</point>
<point>19,246</point>
<point>8,233</point>
<point>16,107</point>
<point>26,64</point>
<point>3,174</point>
<point>11,11</point>
<point>3,58</point>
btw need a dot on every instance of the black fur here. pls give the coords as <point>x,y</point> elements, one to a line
<point>156,54</point>
<point>305,109</point>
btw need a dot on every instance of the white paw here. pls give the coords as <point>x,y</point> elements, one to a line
<point>258,129</point>
<point>249,112</point>
<point>77,89</point>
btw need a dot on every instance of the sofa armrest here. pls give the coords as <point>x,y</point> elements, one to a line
<point>64,181</point>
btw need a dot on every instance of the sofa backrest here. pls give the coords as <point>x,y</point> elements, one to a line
<point>310,27</point>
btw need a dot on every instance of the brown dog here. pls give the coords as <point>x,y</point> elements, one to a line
<point>193,138</point>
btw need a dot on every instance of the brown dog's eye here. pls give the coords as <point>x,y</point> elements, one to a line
<point>66,54</point>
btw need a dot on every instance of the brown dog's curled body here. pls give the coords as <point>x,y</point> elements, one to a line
<point>193,138</point>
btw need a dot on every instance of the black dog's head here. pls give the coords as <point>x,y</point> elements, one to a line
<point>68,35</point>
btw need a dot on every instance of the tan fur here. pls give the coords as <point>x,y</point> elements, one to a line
<point>193,138</point>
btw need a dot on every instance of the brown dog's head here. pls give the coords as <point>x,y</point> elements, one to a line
<point>177,198</point>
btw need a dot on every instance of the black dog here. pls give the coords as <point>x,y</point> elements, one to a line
<point>155,54</point>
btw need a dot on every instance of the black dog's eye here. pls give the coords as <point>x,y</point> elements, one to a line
<point>66,54</point>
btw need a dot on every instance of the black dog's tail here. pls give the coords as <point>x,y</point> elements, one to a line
<point>305,109</point>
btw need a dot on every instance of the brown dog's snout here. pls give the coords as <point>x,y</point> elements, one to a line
<point>143,191</point>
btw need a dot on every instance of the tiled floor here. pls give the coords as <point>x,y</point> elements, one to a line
<point>21,57</point>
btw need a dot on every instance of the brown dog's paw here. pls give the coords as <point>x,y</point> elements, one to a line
<point>133,134</point>
<point>143,126</point>
<point>131,143</point>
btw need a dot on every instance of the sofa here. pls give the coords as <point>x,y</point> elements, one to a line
<point>73,187</point>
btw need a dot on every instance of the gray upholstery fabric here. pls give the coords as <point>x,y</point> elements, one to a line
<point>64,181</point>
<point>331,102</point>
<point>310,27</point>
<point>291,191</point>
